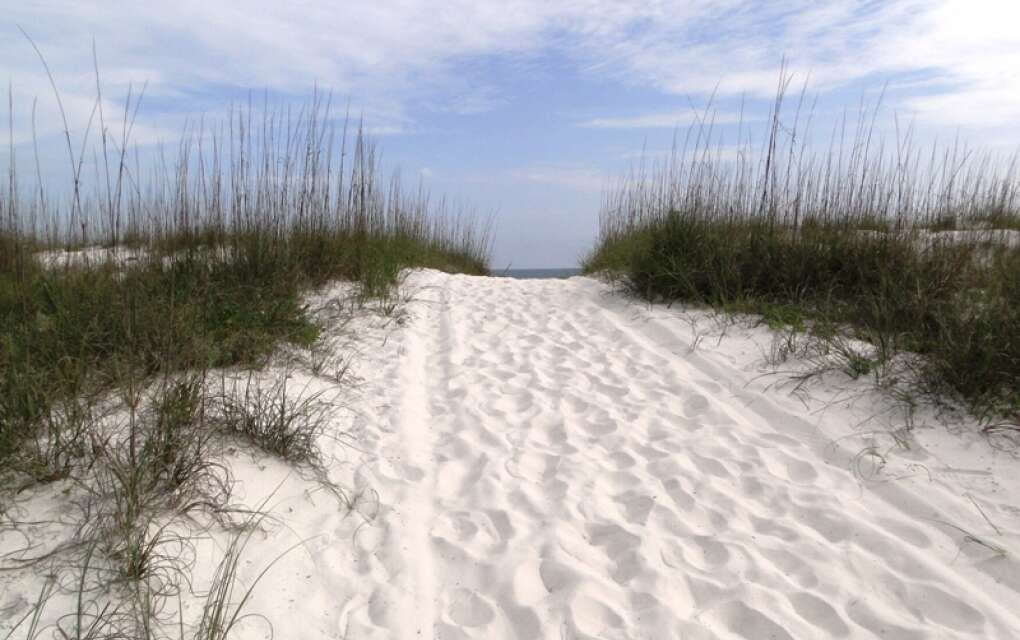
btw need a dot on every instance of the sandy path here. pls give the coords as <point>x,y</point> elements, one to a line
<point>560,468</point>
<point>542,459</point>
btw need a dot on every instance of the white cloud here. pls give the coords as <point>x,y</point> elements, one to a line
<point>718,153</point>
<point>399,55</point>
<point>975,48</point>
<point>669,120</point>
<point>572,177</point>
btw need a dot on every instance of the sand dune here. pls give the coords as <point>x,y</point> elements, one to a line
<point>559,464</point>
<point>544,459</point>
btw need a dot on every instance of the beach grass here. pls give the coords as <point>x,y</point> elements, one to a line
<point>120,293</point>
<point>205,265</point>
<point>913,250</point>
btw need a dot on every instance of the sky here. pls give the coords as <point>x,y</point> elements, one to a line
<point>525,110</point>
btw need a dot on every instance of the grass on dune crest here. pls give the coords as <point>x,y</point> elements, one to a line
<point>914,252</point>
<point>219,251</point>
<point>118,296</point>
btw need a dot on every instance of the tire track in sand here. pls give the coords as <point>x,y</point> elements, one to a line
<point>410,539</point>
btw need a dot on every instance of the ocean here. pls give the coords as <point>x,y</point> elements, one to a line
<point>537,273</point>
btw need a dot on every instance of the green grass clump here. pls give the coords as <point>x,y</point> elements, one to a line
<point>121,291</point>
<point>850,242</point>
<point>115,306</point>
<point>205,266</point>
<point>78,331</point>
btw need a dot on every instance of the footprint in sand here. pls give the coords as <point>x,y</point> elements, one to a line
<point>674,489</point>
<point>636,506</point>
<point>706,553</point>
<point>709,466</point>
<point>598,428</point>
<point>615,541</point>
<point>461,527</point>
<point>819,613</point>
<point>906,532</point>
<point>747,622</point>
<point>556,576</point>
<point>467,609</point>
<point>785,467</point>
<point>862,613</point>
<point>621,460</point>
<point>594,618</point>
<point>532,466</point>
<point>696,405</point>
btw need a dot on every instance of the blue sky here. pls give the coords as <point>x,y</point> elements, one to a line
<point>523,108</point>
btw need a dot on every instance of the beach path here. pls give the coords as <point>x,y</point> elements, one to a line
<point>558,462</point>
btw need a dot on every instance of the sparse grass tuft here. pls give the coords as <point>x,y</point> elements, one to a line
<point>284,424</point>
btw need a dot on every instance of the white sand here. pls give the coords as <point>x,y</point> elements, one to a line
<point>551,461</point>
<point>89,256</point>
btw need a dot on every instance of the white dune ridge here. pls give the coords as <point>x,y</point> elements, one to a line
<point>553,462</point>
<point>544,459</point>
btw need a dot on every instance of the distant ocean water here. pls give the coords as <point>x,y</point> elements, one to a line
<point>538,273</point>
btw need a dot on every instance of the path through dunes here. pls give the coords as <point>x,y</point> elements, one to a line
<point>554,463</point>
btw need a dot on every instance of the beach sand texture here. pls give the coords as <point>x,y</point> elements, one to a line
<point>559,464</point>
<point>544,459</point>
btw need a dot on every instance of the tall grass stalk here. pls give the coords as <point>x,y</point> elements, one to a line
<point>913,249</point>
<point>122,288</point>
<point>206,256</point>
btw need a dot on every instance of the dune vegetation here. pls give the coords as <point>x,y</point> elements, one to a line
<point>913,250</point>
<point>145,311</point>
<point>122,290</point>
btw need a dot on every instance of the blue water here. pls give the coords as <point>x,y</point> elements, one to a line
<point>538,273</point>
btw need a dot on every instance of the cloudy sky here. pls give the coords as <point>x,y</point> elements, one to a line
<point>522,108</point>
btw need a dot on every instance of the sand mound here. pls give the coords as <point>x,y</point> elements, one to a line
<point>560,464</point>
<point>542,459</point>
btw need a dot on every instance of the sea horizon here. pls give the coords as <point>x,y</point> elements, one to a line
<point>539,273</point>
